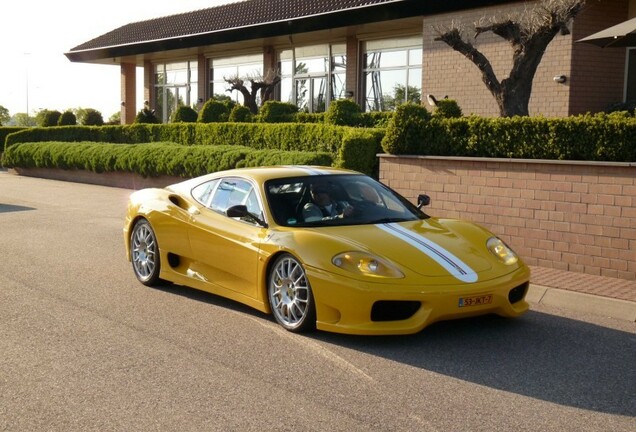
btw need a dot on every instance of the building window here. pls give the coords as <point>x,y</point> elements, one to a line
<point>630,76</point>
<point>392,73</point>
<point>313,76</point>
<point>175,85</point>
<point>245,67</point>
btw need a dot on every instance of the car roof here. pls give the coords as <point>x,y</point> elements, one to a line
<point>262,174</point>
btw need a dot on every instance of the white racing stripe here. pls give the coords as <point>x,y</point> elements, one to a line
<point>450,262</point>
<point>310,170</point>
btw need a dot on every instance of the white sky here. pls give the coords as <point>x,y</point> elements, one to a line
<point>35,34</point>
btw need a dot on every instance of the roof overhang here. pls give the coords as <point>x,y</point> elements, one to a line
<point>342,18</point>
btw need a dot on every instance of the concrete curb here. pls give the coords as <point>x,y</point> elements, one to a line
<point>581,302</point>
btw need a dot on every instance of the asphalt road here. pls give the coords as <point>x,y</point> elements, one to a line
<point>84,347</point>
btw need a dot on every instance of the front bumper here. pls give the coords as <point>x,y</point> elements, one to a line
<point>347,305</point>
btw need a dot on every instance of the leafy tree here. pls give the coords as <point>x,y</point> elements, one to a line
<point>529,34</point>
<point>115,119</point>
<point>88,117</point>
<point>47,118</point>
<point>92,118</point>
<point>261,86</point>
<point>23,120</point>
<point>67,119</point>
<point>4,115</point>
<point>402,94</point>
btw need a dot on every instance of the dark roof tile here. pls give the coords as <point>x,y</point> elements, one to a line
<point>232,15</point>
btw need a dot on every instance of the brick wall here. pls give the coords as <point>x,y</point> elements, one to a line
<point>594,75</point>
<point>572,216</point>
<point>446,72</point>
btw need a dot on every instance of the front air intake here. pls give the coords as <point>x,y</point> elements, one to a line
<point>518,293</point>
<point>389,310</point>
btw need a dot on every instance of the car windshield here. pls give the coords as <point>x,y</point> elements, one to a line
<point>328,200</point>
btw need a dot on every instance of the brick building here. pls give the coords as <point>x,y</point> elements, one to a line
<point>378,52</point>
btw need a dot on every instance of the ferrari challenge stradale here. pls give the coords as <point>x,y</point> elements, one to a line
<point>321,248</point>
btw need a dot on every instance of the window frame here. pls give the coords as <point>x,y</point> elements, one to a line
<point>406,45</point>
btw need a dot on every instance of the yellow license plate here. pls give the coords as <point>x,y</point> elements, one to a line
<point>475,301</point>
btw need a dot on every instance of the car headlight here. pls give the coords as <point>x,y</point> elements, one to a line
<point>501,251</point>
<point>366,264</point>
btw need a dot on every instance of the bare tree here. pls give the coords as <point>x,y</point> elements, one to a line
<point>261,85</point>
<point>529,34</point>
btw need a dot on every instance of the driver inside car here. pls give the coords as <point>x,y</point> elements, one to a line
<point>323,207</point>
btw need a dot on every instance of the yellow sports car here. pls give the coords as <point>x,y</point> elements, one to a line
<point>321,248</point>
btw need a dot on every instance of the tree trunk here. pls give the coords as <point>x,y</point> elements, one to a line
<point>512,94</point>
<point>514,99</point>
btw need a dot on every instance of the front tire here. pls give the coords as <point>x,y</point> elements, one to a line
<point>290,295</point>
<point>144,252</point>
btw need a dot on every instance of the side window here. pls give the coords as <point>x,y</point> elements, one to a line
<point>203,192</point>
<point>252,203</point>
<point>221,199</point>
<point>233,191</point>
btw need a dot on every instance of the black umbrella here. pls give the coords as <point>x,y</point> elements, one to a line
<point>621,35</point>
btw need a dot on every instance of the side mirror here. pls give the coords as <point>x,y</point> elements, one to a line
<point>423,200</point>
<point>240,211</point>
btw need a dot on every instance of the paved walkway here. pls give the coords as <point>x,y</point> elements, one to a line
<point>584,283</point>
<point>586,293</point>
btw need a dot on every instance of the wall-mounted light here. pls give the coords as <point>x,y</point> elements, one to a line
<point>559,79</point>
<point>349,93</point>
<point>123,103</point>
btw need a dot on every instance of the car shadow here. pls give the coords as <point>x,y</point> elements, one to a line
<point>8,208</point>
<point>542,356</point>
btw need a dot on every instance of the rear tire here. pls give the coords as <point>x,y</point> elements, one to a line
<point>144,253</point>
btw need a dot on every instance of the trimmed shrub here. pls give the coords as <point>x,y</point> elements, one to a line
<point>241,114</point>
<point>146,116</point>
<point>376,119</point>
<point>344,112</point>
<point>406,133</point>
<point>214,111</point>
<point>257,158</point>
<point>359,151</point>
<point>48,118</point>
<point>628,107</point>
<point>4,132</point>
<point>447,108</point>
<point>92,117</point>
<point>184,114</point>
<point>303,117</point>
<point>277,112</point>
<point>152,159</point>
<point>67,119</point>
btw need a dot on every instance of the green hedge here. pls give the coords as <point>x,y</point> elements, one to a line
<point>600,137</point>
<point>152,159</point>
<point>310,137</point>
<point>4,132</point>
